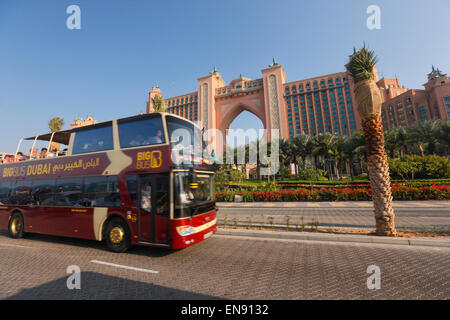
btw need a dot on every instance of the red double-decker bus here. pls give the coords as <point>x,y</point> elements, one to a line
<point>124,182</point>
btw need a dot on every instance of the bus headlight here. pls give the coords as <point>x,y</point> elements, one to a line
<point>185,231</point>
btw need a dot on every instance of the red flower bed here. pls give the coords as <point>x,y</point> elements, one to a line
<point>341,193</point>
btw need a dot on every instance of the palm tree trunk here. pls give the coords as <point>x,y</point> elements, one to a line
<point>368,100</point>
<point>379,177</point>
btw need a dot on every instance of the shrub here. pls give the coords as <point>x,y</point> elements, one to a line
<point>412,167</point>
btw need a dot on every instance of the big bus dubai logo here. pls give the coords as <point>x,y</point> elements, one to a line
<point>44,169</point>
<point>149,159</point>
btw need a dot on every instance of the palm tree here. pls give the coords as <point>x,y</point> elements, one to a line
<point>341,154</point>
<point>368,100</point>
<point>325,146</point>
<point>302,145</point>
<point>442,133</point>
<point>425,135</point>
<point>55,124</point>
<point>359,148</point>
<point>159,105</point>
<point>286,155</point>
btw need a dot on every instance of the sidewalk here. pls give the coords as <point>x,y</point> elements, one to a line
<point>310,236</point>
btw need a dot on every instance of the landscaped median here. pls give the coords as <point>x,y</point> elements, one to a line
<point>343,192</point>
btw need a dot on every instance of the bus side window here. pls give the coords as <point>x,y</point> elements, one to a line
<point>141,132</point>
<point>102,191</point>
<point>43,192</point>
<point>21,194</point>
<point>92,140</point>
<point>113,192</point>
<point>132,188</point>
<point>69,192</point>
<point>5,188</point>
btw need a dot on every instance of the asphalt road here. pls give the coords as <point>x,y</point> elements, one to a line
<point>414,217</point>
<point>221,268</point>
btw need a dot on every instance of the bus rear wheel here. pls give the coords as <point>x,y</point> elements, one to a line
<point>16,225</point>
<point>117,235</point>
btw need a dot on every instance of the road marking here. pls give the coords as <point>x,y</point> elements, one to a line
<point>364,204</point>
<point>422,204</point>
<point>313,205</point>
<point>124,267</point>
<point>226,205</point>
<point>338,204</point>
<point>290,204</point>
<point>268,205</point>
<point>401,205</point>
<point>15,245</point>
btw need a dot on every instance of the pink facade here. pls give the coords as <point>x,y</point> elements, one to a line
<point>402,107</point>
<point>310,106</point>
<point>81,123</point>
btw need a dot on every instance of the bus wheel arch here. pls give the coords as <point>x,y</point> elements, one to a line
<point>116,234</point>
<point>16,225</point>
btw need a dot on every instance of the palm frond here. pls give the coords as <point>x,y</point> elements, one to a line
<point>361,64</point>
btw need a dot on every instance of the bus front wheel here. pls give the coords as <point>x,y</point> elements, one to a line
<point>117,235</point>
<point>16,225</point>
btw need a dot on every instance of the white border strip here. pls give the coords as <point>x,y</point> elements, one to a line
<point>123,267</point>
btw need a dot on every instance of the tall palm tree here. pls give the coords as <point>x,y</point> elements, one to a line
<point>442,133</point>
<point>359,148</point>
<point>325,146</point>
<point>349,156</point>
<point>286,155</point>
<point>402,140</point>
<point>159,105</point>
<point>390,142</point>
<point>302,145</point>
<point>425,135</point>
<point>368,100</point>
<point>55,124</point>
<point>341,155</point>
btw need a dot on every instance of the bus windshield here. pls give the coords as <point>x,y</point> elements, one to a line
<point>192,195</point>
<point>185,134</point>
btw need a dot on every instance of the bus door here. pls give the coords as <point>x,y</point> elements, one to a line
<point>154,208</point>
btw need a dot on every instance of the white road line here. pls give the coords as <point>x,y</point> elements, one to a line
<point>16,246</point>
<point>124,267</point>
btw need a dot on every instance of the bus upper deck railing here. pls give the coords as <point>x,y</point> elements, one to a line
<point>19,157</point>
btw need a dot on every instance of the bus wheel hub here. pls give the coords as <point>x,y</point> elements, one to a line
<point>15,225</point>
<point>116,235</point>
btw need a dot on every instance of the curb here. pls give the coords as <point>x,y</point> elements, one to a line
<point>332,237</point>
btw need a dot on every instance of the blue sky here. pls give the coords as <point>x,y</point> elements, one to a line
<point>125,47</point>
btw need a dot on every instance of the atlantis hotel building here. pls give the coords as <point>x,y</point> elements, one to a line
<point>311,106</point>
